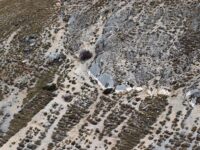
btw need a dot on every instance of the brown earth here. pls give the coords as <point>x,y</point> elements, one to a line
<point>31,16</point>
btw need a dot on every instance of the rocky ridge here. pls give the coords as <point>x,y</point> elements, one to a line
<point>138,89</point>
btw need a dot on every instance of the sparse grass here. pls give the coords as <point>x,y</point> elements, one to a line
<point>140,124</point>
<point>1,96</point>
<point>36,100</point>
<point>30,16</point>
<point>44,79</point>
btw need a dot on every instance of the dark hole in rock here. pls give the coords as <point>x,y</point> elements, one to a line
<point>50,87</point>
<point>85,55</point>
<point>198,100</point>
<point>108,91</point>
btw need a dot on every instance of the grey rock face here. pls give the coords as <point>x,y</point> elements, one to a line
<point>55,57</point>
<point>138,44</point>
<point>192,94</point>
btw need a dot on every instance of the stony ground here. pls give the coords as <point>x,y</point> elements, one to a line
<point>100,75</point>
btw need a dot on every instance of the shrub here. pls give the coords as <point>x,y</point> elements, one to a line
<point>108,91</point>
<point>85,55</point>
<point>50,87</point>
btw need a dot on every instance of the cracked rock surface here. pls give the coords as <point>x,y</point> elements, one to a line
<point>100,75</point>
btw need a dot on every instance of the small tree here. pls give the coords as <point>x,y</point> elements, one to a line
<point>85,55</point>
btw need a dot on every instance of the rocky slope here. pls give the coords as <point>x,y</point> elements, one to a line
<point>100,75</point>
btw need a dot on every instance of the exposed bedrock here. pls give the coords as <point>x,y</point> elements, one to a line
<point>145,41</point>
